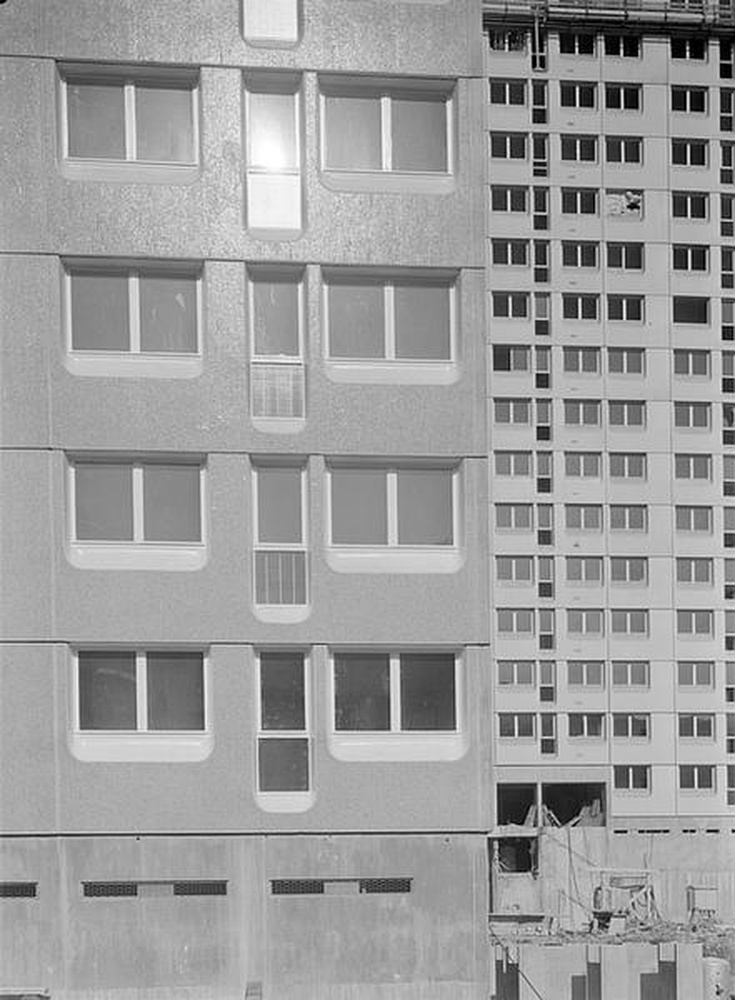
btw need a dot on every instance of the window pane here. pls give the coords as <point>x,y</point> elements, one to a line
<point>356,321</point>
<point>422,322</point>
<point>282,691</point>
<point>279,505</point>
<point>175,691</point>
<point>359,507</point>
<point>353,133</point>
<point>168,315</point>
<point>104,502</point>
<point>96,120</point>
<point>165,124</point>
<point>283,765</point>
<point>361,692</point>
<point>171,503</point>
<point>107,690</point>
<point>99,312</point>
<point>276,318</point>
<point>271,131</point>
<point>425,507</point>
<point>427,691</point>
<point>419,134</point>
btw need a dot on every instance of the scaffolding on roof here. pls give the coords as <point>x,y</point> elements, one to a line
<point>709,14</point>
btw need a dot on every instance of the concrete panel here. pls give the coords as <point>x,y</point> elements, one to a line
<point>29,312</point>
<point>26,553</point>
<point>440,39</point>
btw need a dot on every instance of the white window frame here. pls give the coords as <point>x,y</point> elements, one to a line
<point>689,94</point>
<point>624,779</point>
<point>129,167</point>
<point>690,255</point>
<point>627,355</point>
<point>512,508</point>
<point>397,744</point>
<point>503,251</point>
<point>504,145</point>
<point>631,307</point>
<point>141,744</point>
<point>133,362</point>
<point>577,355</point>
<point>688,673</point>
<point>516,566</point>
<point>617,103</point>
<point>627,413</point>
<point>585,459</point>
<point>507,83</point>
<point>515,617</point>
<point>689,571</point>
<point>628,461</point>
<point>519,356</point>
<point>624,149</point>
<point>627,720</point>
<point>584,510</point>
<point>385,92</point>
<point>575,88</point>
<point>690,356</point>
<point>528,680</point>
<point>517,409</point>
<point>591,674</point>
<point>628,510</point>
<point>430,370</point>
<point>688,200</point>
<point>582,412</point>
<point>692,415</point>
<point>699,786</point>
<point>577,249</point>
<point>578,148</point>
<point>695,153</point>
<point>576,196</point>
<point>705,721</point>
<point>589,626</point>
<point>135,553</point>
<point>693,464</point>
<point>620,42</point>
<point>281,611</point>
<point>514,458</point>
<point>284,801</point>
<point>690,512</point>
<point>350,557</point>
<point>574,306</point>
<point>587,720</point>
<point>628,666</point>
<point>631,570</point>
<point>505,305</point>
<point>625,621</point>
<point>506,190</point>
<point>584,570</point>
<point>631,252</point>
<point>515,718</point>
<point>690,626</point>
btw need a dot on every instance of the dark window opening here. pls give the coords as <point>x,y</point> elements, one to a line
<point>516,804</point>
<point>18,890</point>
<point>578,803</point>
<point>516,854</point>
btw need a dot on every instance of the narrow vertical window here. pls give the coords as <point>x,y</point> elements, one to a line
<point>277,372</point>
<point>280,562</point>
<point>273,154</point>
<point>283,729</point>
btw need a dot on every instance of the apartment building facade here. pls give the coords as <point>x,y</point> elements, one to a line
<point>610,416</point>
<point>365,426</point>
<point>244,535</point>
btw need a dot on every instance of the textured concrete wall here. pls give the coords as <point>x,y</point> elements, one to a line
<point>425,944</point>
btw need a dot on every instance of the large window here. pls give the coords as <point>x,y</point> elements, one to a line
<point>140,117</point>
<point>140,704</point>
<point>116,310</point>
<point>140,691</point>
<point>283,727</point>
<point>370,318</point>
<point>404,128</point>
<point>395,692</point>
<point>280,558</point>
<point>120,506</point>
<point>411,506</point>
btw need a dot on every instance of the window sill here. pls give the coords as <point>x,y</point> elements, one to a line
<point>282,612</point>
<point>634,793</point>
<point>130,171</point>
<point>285,802</point>
<point>393,372</point>
<point>388,182</point>
<point>159,747</point>
<point>279,425</point>
<point>425,746</point>
<point>109,364</point>
<point>386,560</point>
<point>111,556</point>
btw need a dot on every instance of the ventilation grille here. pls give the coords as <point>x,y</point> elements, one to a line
<point>198,887</point>
<point>280,577</point>
<point>277,390</point>
<point>336,886</point>
<point>18,890</point>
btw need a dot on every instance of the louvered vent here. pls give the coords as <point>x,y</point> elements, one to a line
<point>297,886</point>
<point>218,888</point>
<point>110,888</point>
<point>321,887</point>
<point>385,885</point>
<point>156,887</point>
<point>18,890</point>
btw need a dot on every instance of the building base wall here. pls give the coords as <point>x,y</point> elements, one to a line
<point>323,917</point>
